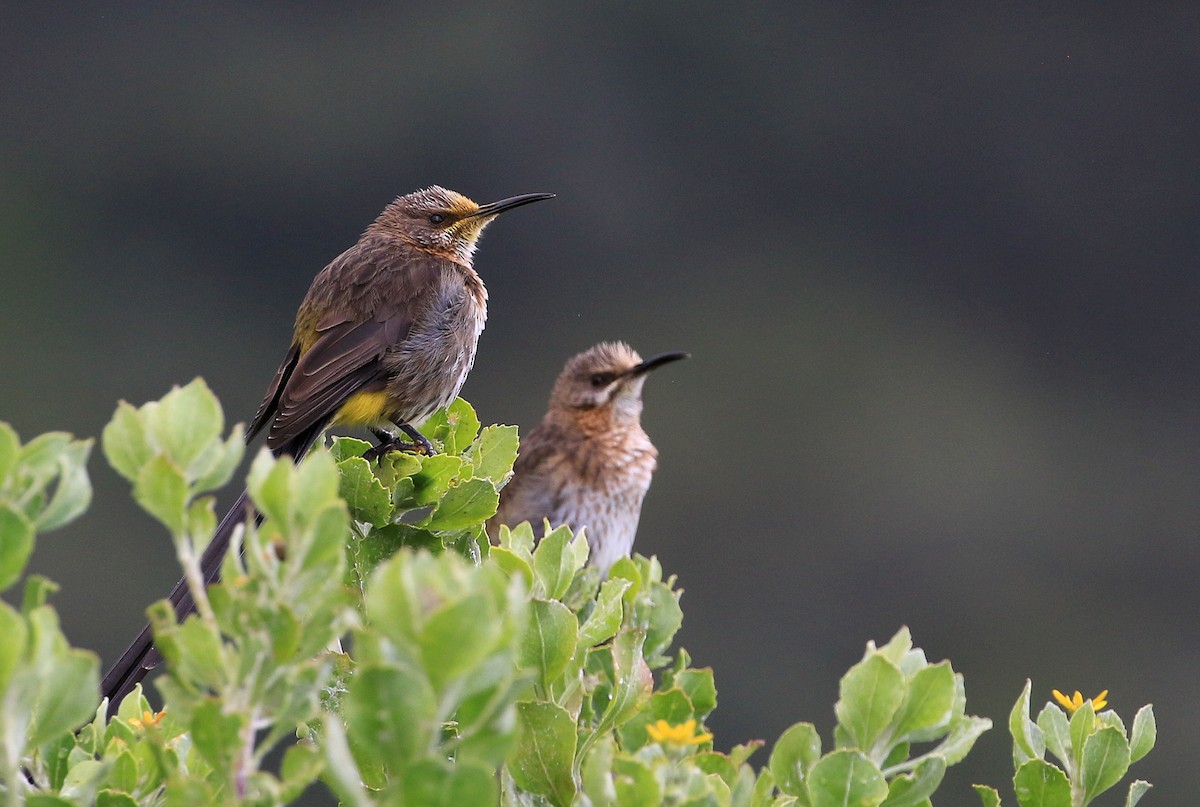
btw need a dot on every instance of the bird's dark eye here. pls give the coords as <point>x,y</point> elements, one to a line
<point>602,379</point>
<point>436,218</point>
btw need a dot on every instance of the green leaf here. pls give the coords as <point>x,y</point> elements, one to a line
<point>1083,725</point>
<point>1040,784</point>
<point>512,564</point>
<point>988,795</point>
<point>700,689</point>
<point>1028,742</point>
<point>846,777</point>
<point>56,755</point>
<point>363,493</point>
<point>13,634</point>
<point>125,443</point>
<point>794,755</point>
<point>196,650</point>
<point>962,737</point>
<point>74,491</point>
<point>870,694</point>
<point>432,783</point>
<point>554,564</point>
<point>927,700</point>
<point>10,447</point>
<point>390,711</point>
<point>51,800</point>
<point>39,457</point>
<point>270,485</point>
<point>494,453</point>
<point>123,772</point>
<point>464,505</point>
<point>217,736</point>
<point>316,484</point>
<point>67,688</point>
<point>635,784</point>
<point>344,448</point>
<point>1144,734</point>
<point>1057,731</point>
<point>457,637</point>
<point>913,790</point>
<point>549,640</point>
<point>545,749</point>
<point>186,420</point>
<point>302,764</point>
<point>16,544</point>
<point>662,616</point>
<point>899,646</point>
<point>218,462</point>
<point>1105,761</point>
<point>113,798</point>
<point>596,773</point>
<point>461,426</point>
<point>1136,790</point>
<point>162,492</point>
<point>629,678</point>
<point>435,477</point>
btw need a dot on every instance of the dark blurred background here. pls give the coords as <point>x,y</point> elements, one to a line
<point>937,269</point>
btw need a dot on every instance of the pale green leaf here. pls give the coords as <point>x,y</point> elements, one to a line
<point>549,640</point>
<point>16,544</point>
<point>544,752</point>
<point>928,695</point>
<point>494,452</point>
<point>794,755</point>
<point>846,777</point>
<point>162,492</point>
<point>870,695</point>
<point>1105,761</point>
<point>1137,789</point>
<point>988,795</point>
<point>1040,784</point>
<point>914,789</point>
<point>1057,731</point>
<point>1145,733</point>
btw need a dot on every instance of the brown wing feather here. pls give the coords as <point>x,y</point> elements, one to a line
<point>345,360</point>
<point>266,409</point>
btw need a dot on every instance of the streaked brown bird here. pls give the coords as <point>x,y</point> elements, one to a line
<point>386,335</point>
<point>588,463</point>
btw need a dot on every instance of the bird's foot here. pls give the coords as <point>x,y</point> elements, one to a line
<point>391,442</point>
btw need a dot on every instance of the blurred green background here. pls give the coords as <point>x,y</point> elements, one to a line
<point>937,268</point>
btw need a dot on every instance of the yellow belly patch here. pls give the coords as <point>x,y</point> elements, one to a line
<point>363,408</point>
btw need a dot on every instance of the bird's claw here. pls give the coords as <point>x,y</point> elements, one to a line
<point>389,442</point>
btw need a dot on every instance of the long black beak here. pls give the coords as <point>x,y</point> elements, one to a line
<point>496,208</point>
<point>655,362</point>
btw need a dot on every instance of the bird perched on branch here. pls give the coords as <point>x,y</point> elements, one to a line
<point>588,463</point>
<point>385,336</point>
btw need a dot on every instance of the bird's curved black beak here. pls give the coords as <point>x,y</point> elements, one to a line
<point>655,362</point>
<point>496,208</point>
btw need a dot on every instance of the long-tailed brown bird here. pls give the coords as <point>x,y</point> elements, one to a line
<point>385,335</point>
<point>588,463</point>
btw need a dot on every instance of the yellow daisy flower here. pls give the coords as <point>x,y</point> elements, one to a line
<point>683,734</point>
<point>1075,701</point>
<point>147,720</point>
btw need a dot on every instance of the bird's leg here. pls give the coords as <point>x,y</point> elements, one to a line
<point>389,441</point>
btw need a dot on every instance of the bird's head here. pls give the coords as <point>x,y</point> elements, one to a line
<point>608,376</point>
<point>445,222</point>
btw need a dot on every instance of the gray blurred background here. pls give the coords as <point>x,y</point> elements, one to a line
<point>937,269</point>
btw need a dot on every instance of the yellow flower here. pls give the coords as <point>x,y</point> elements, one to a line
<point>1074,702</point>
<point>147,720</point>
<point>683,734</point>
